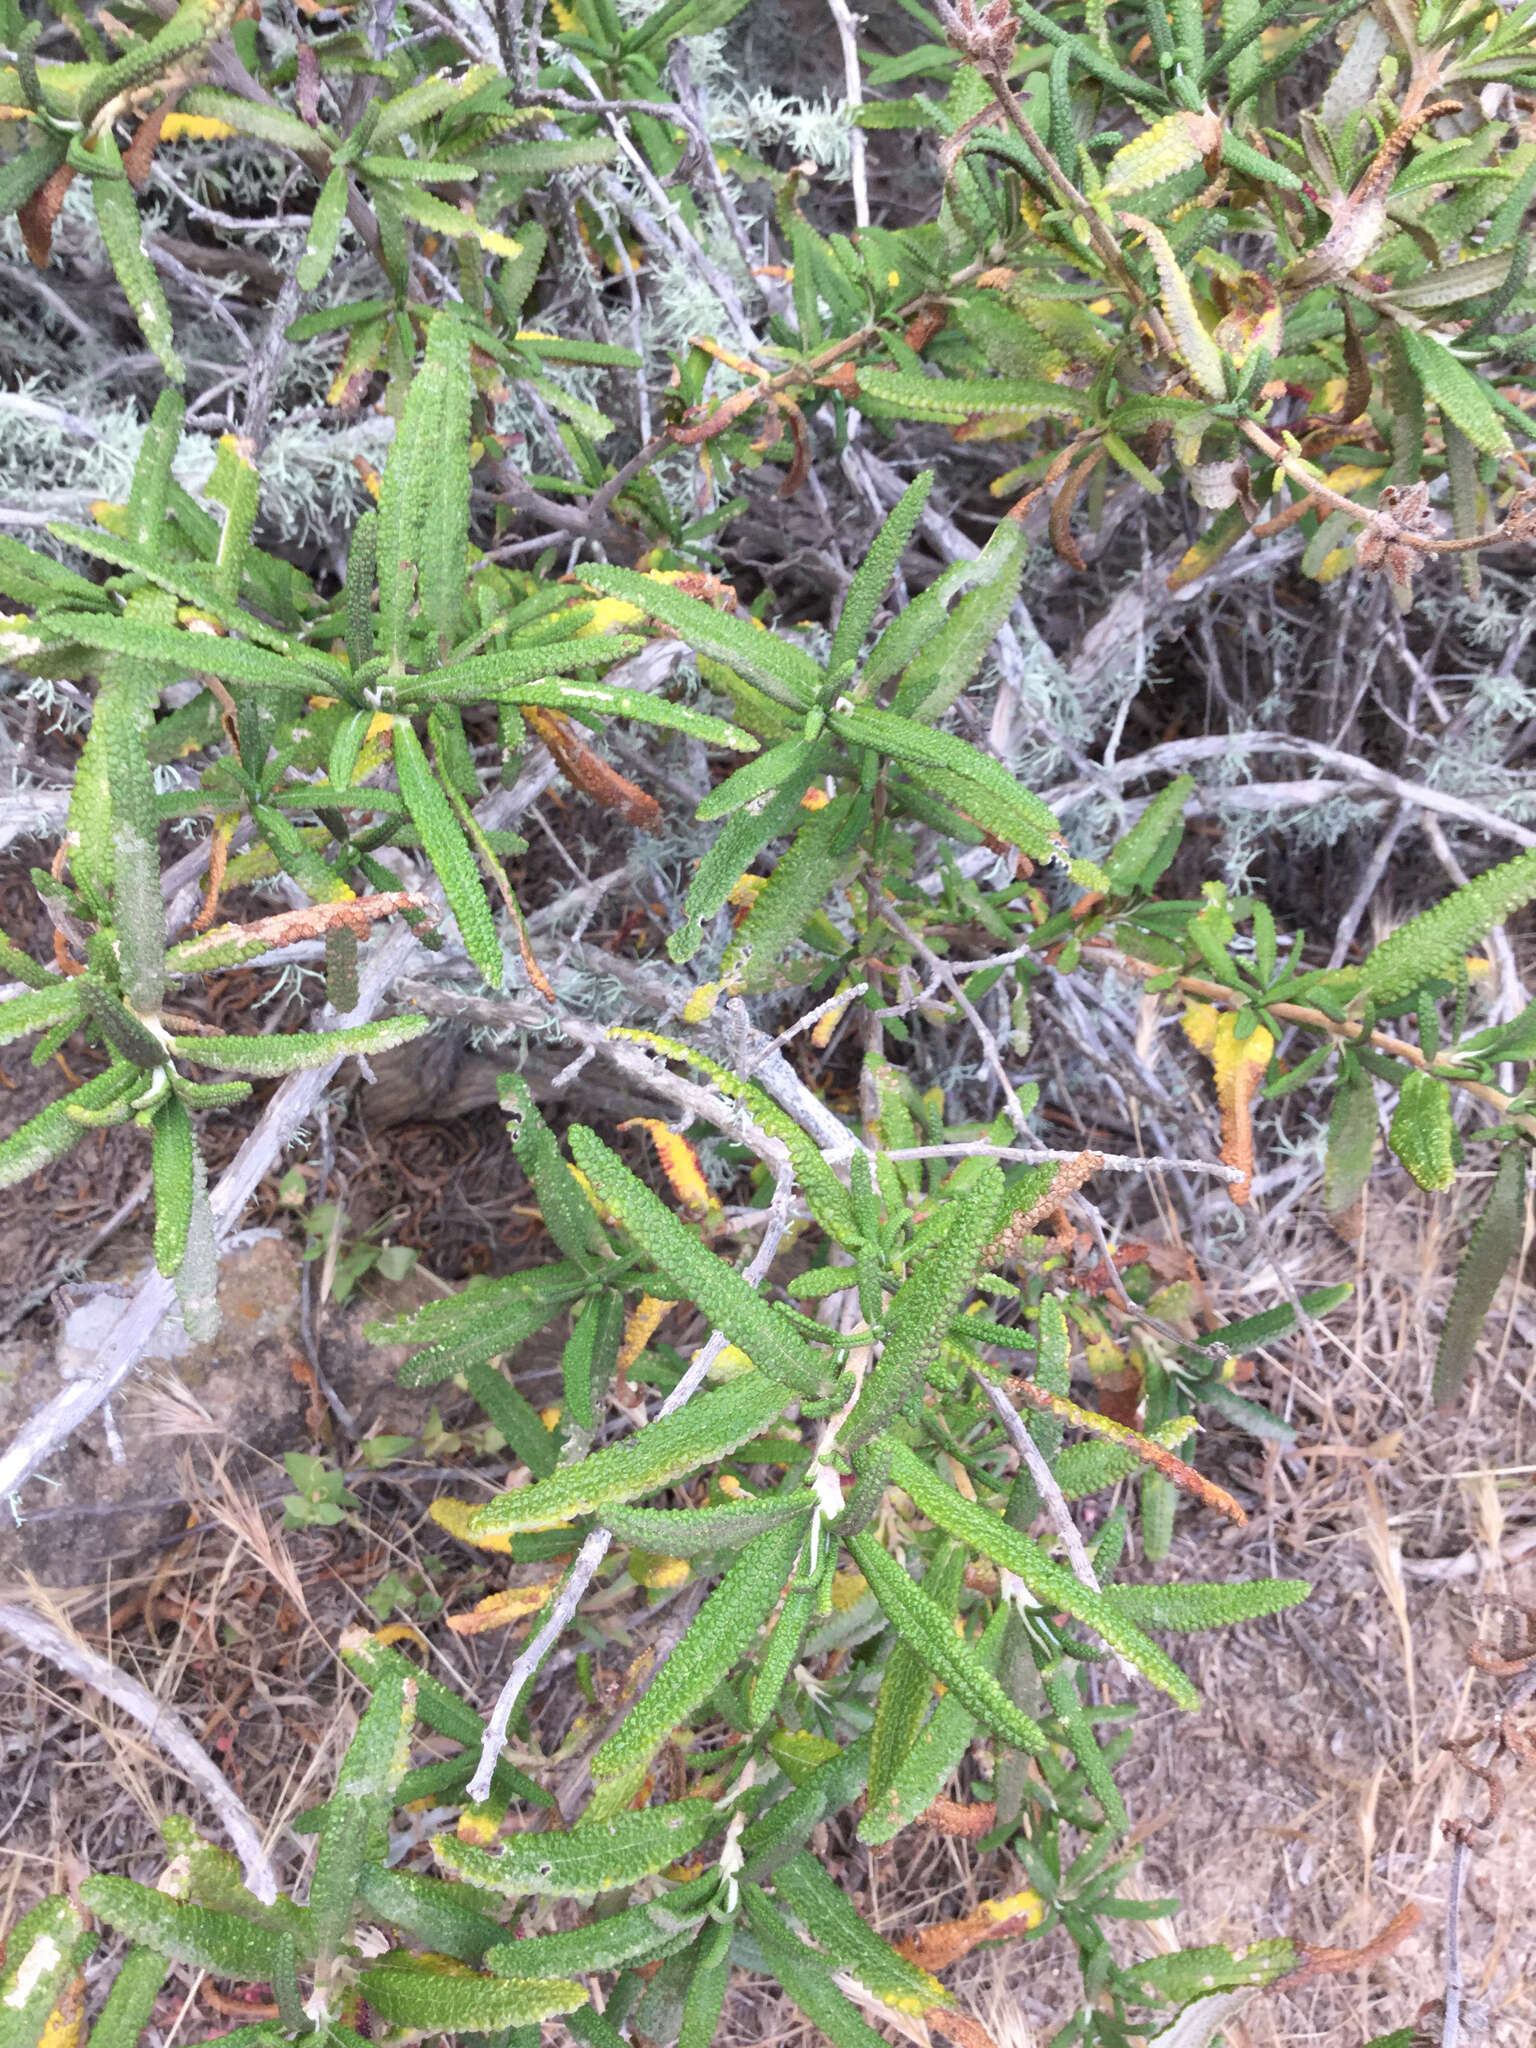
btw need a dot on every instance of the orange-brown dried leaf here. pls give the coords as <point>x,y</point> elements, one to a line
<point>139,156</point>
<point>1070,1176</point>
<point>960,2027</point>
<point>312,922</point>
<point>218,860</point>
<point>499,1610</point>
<point>1157,1455</point>
<point>1059,525</point>
<point>967,1821</point>
<point>935,1948</point>
<point>37,216</point>
<point>589,772</point>
<point>1337,1962</point>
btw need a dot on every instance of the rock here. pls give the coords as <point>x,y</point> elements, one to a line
<point>246,1397</point>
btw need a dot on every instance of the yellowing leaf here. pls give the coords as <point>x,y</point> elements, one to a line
<point>848,1589</point>
<point>655,1573</point>
<point>195,128</point>
<point>680,1163</point>
<point>498,1610</point>
<point>1239,1067</point>
<point>1200,353</point>
<point>453,1515</point>
<point>640,1326</point>
<point>1169,146</point>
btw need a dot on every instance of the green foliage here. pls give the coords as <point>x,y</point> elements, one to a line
<point>876,1621</point>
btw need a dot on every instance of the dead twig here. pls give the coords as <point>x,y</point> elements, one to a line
<point>163,1725</point>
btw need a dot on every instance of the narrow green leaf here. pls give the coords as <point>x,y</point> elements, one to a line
<point>600,1857</point>
<point>221,1943</point>
<point>1457,392</point>
<point>827,1915</point>
<point>250,1054</point>
<point>324,226</point>
<point>53,1131</point>
<point>924,1305</point>
<point>724,1630</point>
<point>1432,943</point>
<point>921,1622</point>
<point>806,1976</point>
<point>1494,1244</point>
<point>38,1010</point>
<point>355,1830</point>
<point>117,215</point>
<point>449,852</point>
<point>635,1934</point>
<point>172,1148</point>
<point>1422,1133</point>
<point>1351,1138</point>
<point>1029,823</point>
<point>42,1954</point>
<point>711,1425</point>
<point>411,1991</point>
<point>876,570</point>
<point>947,663</point>
<point>785,672</point>
<point>1183,1608</point>
<point>696,1532</point>
<point>726,1300</point>
<point>444,1918</point>
<point>1052,1584</point>
<point>131,2001</point>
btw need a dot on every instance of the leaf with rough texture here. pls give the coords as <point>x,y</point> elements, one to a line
<point>920,1621</point>
<point>1012,811</point>
<point>1052,1584</point>
<point>924,1305</point>
<point>42,1954</point>
<point>295,1050</point>
<point>1422,1133</point>
<point>131,2001</point>
<point>706,1430</point>
<point>223,1944</point>
<point>1186,1607</point>
<point>355,1830</point>
<point>448,850</point>
<point>827,1915</point>
<point>1489,1255</point>
<point>728,1302</point>
<point>171,1154</point>
<point>416,1992</point>
<point>774,665</point>
<point>722,1633</point>
<point>872,578</point>
<point>635,1934</point>
<point>598,1857</point>
<point>53,1131</point>
<point>1459,394</point>
<point>1432,943</point>
<point>696,1532</point>
<point>806,1976</point>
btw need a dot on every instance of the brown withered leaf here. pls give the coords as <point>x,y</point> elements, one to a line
<point>312,922</point>
<point>936,1947</point>
<point>1335,1962</point>
<point>139,156</point>
<point>967,1820</point>
<point>589,772</point>
<point>963,2028</point>
<point>39,213</point>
